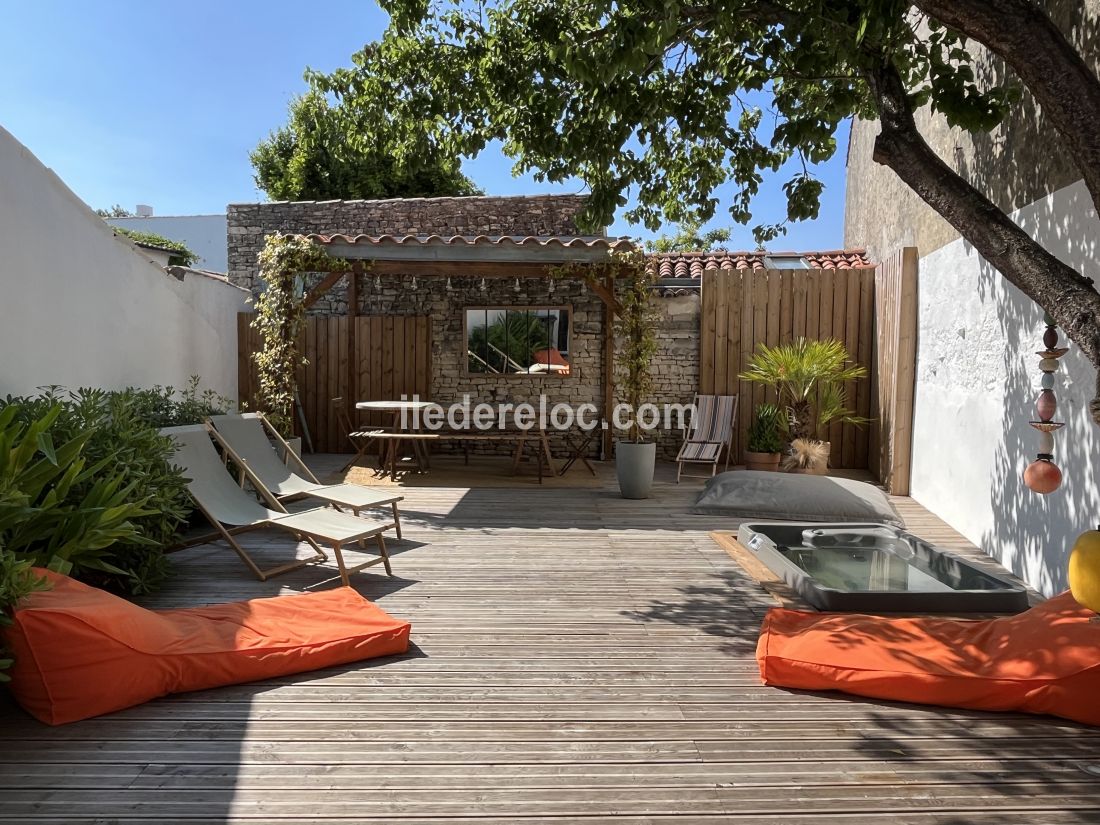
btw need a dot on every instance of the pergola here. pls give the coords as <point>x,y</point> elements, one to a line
<point>476,256</point>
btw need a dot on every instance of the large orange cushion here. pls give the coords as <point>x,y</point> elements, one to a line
<point>80,652</point>
<point>1045,660</point>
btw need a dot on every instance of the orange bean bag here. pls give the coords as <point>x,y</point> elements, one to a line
<point>80,652</point>
<point>1045,660</point>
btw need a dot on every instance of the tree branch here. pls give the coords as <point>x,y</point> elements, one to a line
<point>1068,91</point>
<point>1070,298</point>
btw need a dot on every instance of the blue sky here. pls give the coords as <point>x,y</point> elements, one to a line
<point>160,102</point>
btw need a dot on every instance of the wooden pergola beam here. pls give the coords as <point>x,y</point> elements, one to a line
<point>318,292</point>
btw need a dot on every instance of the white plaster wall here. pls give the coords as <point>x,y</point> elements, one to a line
<point>205,235</point>
<point>82,308</point>
<point>977,380</point>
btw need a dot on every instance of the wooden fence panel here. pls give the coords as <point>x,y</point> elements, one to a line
<point>740,309</point>
<point>363,358</point>
<point>891,401</point>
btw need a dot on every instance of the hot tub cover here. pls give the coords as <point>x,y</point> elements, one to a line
<point>794,497</point>
<point>80,652</point>
<point>1041,661</point>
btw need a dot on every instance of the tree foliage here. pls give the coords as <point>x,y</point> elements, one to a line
<point>327,152</point>
<point>666,101</point>
<point>690,237</point>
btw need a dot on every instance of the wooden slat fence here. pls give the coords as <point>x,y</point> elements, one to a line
<point>895,369</point>
<point>741,308</point>
<point>361,358</point>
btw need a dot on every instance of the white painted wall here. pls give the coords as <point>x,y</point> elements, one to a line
<point>977,380</point>
<point>205,235</point>
<point>82,308</point>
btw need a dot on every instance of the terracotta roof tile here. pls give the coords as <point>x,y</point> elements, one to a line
<point>689,266</point>
<point>568,241</point>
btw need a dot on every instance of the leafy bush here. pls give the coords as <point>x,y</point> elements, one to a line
<point>182,256</point>
<point>120,437</point>
<point>16,581</point>
<point>764,432</point>
<point>57,509</point>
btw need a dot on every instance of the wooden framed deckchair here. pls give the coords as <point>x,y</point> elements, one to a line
<point>232,510</point>
<point>250,439</point>
<point>709,432</point>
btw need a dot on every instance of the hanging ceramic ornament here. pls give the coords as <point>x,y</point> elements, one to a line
<point>1042,475</point>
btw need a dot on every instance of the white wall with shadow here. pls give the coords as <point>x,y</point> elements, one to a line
<point>977,380</point>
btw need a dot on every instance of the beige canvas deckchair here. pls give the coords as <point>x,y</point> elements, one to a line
<point>708,434</point>
<point>248,438</point>
<point>232,510</point>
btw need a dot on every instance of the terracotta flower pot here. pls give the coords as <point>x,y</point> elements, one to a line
<point>768,462</point>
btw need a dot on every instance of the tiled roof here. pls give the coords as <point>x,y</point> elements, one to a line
<point>667,265</point>
<point>528,241</point>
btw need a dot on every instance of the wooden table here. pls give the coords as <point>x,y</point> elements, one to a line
<point>419,438</point>
<point>399,434</point>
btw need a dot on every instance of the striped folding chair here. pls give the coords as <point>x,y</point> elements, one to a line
<point>708,433</point>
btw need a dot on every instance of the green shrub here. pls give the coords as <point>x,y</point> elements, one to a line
<point>16,581</point>
<point>121,429</point>
<point>57,509</point>
<point>765,430</point>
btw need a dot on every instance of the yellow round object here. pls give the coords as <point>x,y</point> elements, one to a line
<point>1084,570</point>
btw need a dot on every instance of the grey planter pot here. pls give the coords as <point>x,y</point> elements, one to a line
<point>634,465</point>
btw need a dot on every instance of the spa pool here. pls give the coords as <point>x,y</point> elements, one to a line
<point>873,568</point>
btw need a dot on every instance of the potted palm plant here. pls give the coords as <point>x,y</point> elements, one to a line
<point>635,457</point>
<point>764,447</point>
<point>808,376</point>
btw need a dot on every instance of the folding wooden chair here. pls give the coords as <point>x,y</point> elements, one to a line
<point>360,440</point>
<point>709,432</point>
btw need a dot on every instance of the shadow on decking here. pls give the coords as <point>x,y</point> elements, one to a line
<point>722,608</point>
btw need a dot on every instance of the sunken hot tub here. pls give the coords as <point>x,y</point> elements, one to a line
<point>875,568</point>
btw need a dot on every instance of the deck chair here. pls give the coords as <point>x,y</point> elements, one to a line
<point>359,439</point>
<point>248,438</point>
<point>232,510</point>
<point>709,432</point>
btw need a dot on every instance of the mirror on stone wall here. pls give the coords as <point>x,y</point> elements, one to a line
<point>518,340</point>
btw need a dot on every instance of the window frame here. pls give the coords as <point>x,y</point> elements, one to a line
<point>524,376</point>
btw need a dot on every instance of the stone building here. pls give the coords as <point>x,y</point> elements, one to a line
<point>475,242</point>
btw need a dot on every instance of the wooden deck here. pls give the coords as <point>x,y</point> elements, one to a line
<point>578,658</point>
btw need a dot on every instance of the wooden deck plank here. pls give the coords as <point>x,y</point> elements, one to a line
<point>577,659</point>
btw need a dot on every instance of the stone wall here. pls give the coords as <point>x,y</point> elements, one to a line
<point>445,302</point>
<point>250,223</point>
<point>676,366</point>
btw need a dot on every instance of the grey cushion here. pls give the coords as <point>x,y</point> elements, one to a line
<point>794,497</point>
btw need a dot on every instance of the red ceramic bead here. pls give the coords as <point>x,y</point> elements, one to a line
<point>1042,476</point>
<point>1046,405</point>
<point>1050,338</point>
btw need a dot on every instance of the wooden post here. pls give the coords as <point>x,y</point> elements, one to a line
<point>352,394</point>
<point>608,363</point>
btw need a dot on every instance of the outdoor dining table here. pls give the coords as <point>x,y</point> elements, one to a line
<point>406,417</point>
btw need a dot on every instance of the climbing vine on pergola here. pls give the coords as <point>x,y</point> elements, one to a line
<point>280,317</point>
